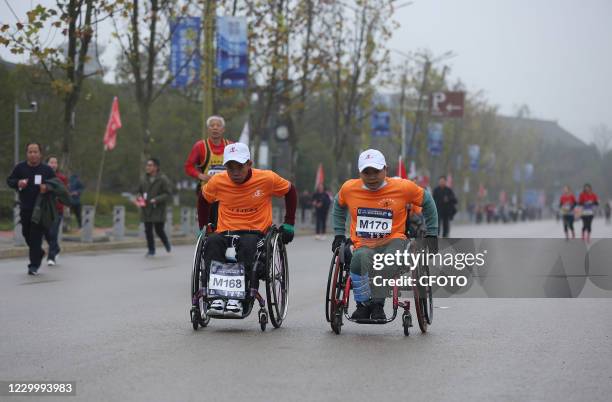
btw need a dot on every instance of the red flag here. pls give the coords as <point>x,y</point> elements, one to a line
<point>114,124</point>
<point>401,169</point>
<point>320,177</point>
<point>482,191</point>
<point>449,180</point>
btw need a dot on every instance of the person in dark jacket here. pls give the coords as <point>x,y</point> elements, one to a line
<point>76,189</point>
<point>321,203</point>
<point>29,179</point>
<point>153,194</point>
<point>446,202</point>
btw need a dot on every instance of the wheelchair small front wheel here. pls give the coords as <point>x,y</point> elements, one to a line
<point>406,323</point>
<point>263,319</point>
<point>195,322</point>
<point>336,323</point>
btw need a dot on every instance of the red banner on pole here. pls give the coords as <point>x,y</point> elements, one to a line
<point>401,169</point>
<point>320,177</point>
<point>114,124</point>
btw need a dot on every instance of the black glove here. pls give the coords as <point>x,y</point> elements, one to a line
<point>432,244</point>
<point>337,242</point>
<point>286,232</point>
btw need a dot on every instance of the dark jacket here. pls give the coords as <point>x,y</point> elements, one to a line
<point>445,201</point>
<point>321,201</point>
<point>27,196</point>
<point>75,186</point>
<point>154,188</point>
<point>45,210</point>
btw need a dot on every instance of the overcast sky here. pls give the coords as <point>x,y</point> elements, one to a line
<point>553,55</point>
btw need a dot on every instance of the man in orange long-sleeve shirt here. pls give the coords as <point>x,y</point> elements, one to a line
<point>206,160</point>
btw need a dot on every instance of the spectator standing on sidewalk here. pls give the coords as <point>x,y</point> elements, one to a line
<point>29,179</point>
<point>321,203</point>
<point>52,235</point>
<point>446,202</point>
<point>153,194</point>
<point>76,189</point>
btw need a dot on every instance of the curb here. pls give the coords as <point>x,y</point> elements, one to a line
<point>69,247</point>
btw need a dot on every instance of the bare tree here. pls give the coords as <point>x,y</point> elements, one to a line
<point>77,21</point>
<point>144,32</point>
<point>602,138</point>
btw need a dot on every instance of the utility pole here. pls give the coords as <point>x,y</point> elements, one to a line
<point>208,58</point>
<point>403,115</point>
<point>418,118</point>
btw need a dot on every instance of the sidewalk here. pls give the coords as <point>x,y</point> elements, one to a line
<point>102,242</point>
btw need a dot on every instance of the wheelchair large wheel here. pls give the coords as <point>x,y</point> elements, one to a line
<point>423,298</point>
<point>198,308</point>
<point>277,279</point>
<point>332,292</point>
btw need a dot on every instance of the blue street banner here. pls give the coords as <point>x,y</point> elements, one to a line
<point>185,61</point>
<point>232,52</point>
<point>381,124</point>
<point>474,155</point>
<point>528,171</point>
<point>435,138</point>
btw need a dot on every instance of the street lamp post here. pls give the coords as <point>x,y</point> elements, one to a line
<point>18,236</point>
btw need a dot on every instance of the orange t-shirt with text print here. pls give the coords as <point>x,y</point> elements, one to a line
<point>379,216</point>
<point>246,206</point>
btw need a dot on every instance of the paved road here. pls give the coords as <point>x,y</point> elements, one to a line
<point>118,325</point>
<point>531,229</point>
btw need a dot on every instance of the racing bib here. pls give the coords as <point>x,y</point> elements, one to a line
<point>214,169</point>
<point>226,280</point>
<point>566,209</point>
<point>374,223</point>
<point>587,209</point>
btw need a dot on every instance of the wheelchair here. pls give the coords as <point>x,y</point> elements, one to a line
<point>270,265</point>
<point>337,296</point>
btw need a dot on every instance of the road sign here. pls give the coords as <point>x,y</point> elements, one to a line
<point>446,104</point>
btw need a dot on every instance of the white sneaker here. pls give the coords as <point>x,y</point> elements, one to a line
<point>216,307</point>
<point>233,307</point>
<point>50,263</point>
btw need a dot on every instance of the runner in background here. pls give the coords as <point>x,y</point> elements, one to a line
<point>567,203</point>
<point>588,201</point>
<point>206,160</point>
<point>607,211</point>
<point>52,235</point>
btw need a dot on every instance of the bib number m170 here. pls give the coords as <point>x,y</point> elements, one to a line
<point>226,280</point>
<point>374,223</point>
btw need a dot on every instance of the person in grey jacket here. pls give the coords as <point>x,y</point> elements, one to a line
<point>153,194</point>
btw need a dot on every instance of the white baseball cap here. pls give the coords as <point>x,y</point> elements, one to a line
<point>371,158</point>
<point>238,152</point>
